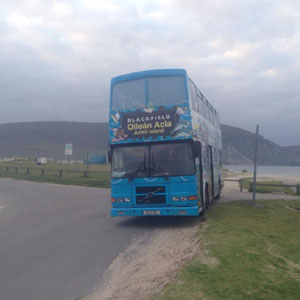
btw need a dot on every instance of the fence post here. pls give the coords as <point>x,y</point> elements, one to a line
<point>250,186</point>
<point>84,174</point>
<point>27,171</point>
<point>241,185</point>
<point>16,170</point>
<point>60,173</point>
<point>298,189</point>
<point>43,172</point>
<point>6,169</point>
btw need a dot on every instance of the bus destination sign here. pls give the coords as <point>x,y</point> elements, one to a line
<point>139,124</point>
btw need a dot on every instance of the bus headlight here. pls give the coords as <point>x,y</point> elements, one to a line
<point>183,198</point>
<point>120,200</point>
<point>175,198</point>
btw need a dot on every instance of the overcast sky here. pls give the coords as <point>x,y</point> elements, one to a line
<point>57,57</point>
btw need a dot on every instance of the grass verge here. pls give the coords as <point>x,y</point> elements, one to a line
<point>99,175</point>
<point>101,180</point>
<point>247,253</point>
<point>268,189</point>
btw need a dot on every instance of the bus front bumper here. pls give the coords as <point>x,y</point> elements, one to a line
<point>156,211</point>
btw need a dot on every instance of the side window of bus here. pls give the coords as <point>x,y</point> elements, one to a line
<point>206,112</point>
<point>211,117</point>
<point>209,113</point>
<point>216,155</point>
<point>218,121</point>
<point>214,117</point>
<point>200,102</point>
<point>205,159</point>
<point>193,95</point>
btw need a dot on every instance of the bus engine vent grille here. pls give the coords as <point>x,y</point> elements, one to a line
<point>151,195</point>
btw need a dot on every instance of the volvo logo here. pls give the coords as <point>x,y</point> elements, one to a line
<point>150,195</point>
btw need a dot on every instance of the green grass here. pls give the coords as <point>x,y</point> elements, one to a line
<point>99,175</point>
<point>268,189</point>
<point>30,163</point>
<point>249,253</point>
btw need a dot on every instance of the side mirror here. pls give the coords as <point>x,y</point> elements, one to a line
<point>109,156</point>
<point>196,149</point>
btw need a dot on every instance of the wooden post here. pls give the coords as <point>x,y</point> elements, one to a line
<point>43,172</point>
<point>6,169</point>
<point>250,187</point>
<point>298,189</point>
<point>27,171</point>
<point>241,184</point>
<point>16,170</point>
<point>68,165</point>
<point>60,172</point>
<point>255,162</point>
<point>85,173</point>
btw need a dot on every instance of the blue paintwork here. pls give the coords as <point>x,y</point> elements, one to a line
<point>175,186</point>
<point>148,73</point>
<point>164,211</point>
<point>183,126</point>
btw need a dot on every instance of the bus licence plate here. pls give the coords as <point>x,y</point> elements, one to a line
<point>151,212</point>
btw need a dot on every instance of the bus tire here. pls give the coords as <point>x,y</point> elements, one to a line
<point>206,197</point>
<point>220,188</point>
<point>203,211</point>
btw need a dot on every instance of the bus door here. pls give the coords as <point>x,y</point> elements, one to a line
<point>211,167</point>
<point>199,166</point>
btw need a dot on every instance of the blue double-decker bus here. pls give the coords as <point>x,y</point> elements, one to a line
<point>165,145</point>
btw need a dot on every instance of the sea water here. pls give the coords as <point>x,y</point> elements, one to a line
<point>274,170</point>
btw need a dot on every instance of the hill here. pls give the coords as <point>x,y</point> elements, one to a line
<point>47,139</point>
<point>32,139</point>
<point>294,151</point>
<point>238,148</point>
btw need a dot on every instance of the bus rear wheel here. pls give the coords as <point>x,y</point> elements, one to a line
<point>206,198</point>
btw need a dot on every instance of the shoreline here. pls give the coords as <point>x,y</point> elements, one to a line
<point>287,179</point>
<point>262,169</point>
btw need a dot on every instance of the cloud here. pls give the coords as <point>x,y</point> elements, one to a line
<point>57,57</point>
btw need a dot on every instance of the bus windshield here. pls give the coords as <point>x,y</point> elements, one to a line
<point>149,91</point>
<point>169,159</point>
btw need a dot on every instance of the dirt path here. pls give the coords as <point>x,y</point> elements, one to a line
<point>149,263</point>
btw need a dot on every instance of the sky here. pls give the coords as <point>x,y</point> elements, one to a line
<point>57,57</point>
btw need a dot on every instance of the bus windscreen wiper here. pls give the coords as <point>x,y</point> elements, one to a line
<point>154,163</point>
<point>141,167</point>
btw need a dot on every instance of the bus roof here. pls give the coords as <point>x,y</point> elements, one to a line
<point>158,72</point>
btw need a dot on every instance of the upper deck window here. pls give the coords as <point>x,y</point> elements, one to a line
<point>149,91</point>
<point>166,90</point>
<point>129,94</point>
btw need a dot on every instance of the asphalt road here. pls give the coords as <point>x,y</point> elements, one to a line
<point>56,241</point>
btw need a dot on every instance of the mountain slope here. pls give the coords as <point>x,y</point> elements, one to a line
<point>243,142</point>
<point>32,139</point>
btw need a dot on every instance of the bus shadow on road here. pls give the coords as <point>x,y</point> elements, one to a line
<point>159,222</point>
